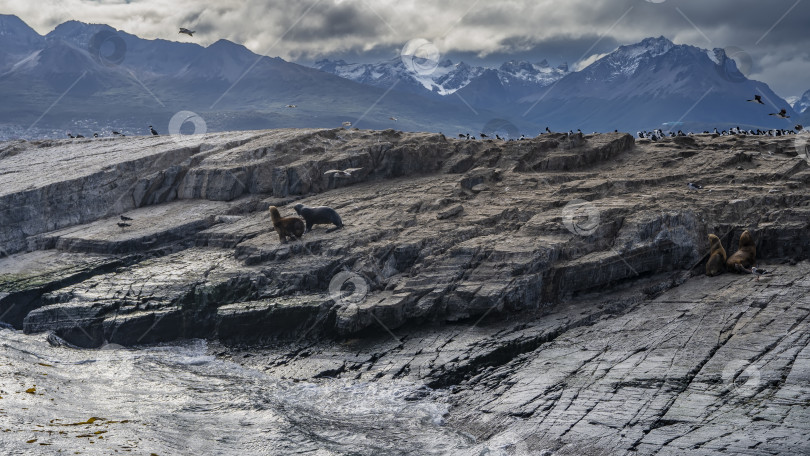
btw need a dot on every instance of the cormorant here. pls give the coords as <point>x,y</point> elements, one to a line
<point>756,99</point>
<point>155,133</point>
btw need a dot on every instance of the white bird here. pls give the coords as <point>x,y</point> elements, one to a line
<point>345,174</point>
<point>393,118</point>
<point>347,124</point>
<point>291,106</point>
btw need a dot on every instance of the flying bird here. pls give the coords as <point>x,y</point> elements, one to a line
<point>123,225</point>
<point>154,133</point>
<point>346,173</point>
<point>291,106</point>
<point>782,114</point>
<point>125,218</point>
<point>756,99</point>
<point>187,31</point>
<point>392,118</point>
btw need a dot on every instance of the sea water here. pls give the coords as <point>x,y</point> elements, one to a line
<point>180,399</point>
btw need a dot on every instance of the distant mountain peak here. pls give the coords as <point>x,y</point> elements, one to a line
<point>803,103</point>
<point>651,46</point>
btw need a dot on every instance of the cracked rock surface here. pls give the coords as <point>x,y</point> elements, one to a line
<point>553,285</point>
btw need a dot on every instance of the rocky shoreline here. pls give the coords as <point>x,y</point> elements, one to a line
<point>554,285</point>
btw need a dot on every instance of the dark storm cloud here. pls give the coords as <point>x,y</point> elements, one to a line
<point>486,31</point>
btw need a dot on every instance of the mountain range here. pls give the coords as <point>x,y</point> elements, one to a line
<point>87,78</point>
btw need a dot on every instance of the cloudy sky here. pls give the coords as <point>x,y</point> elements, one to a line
<point>772,35</point>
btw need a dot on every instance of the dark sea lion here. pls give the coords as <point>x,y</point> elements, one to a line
<point>286,226</point>
<point>745,256</point>
<point>321,215</point>
<point>717,257</point>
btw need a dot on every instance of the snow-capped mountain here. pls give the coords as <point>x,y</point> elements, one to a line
<point>655,83</point>
<point>802,103</point>
<point>106,79</point>
<point>446,79</point>
<point>130,81</point>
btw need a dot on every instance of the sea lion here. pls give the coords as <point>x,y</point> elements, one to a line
<point>717,257</point>
<point>321,215</point>
<point>745,256</point>
<point>286,226</point>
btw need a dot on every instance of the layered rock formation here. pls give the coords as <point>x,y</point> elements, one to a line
<point>554,283</point>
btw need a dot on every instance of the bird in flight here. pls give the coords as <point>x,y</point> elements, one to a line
<point>187,31</point>
<point>782,114</point>
<point>756,99</point>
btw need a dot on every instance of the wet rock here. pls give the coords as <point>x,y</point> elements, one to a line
<point>566,308</point>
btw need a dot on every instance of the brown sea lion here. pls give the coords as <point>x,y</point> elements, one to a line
<point>286,226</point>
<point>717,257</point>
<point>745,256</point>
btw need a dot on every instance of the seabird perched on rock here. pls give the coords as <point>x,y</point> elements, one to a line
<point>71,136</point>
<point>798,128</point>
<point>461,135</point>
<point>756,99</point>
<point>123,225</point>
<point>346,173</point>
<point>782,114</point>
<point>347,124</point>
<point>115,133</point>
<point>154,133</point>
<point>694,186</point>
<point>547,130</point>
<point>125,218</point>
<point>79,136</point>
<point>484,135</point>
<point>95,135</point>
<point>187,31</point>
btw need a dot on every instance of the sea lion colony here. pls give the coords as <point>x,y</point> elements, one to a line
<point>742,261</point>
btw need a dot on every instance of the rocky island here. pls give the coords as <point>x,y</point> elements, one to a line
<point>554,287</point>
